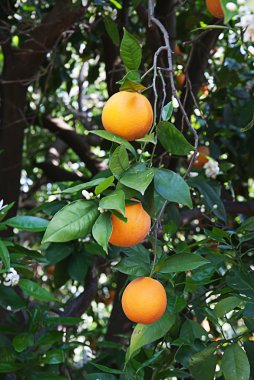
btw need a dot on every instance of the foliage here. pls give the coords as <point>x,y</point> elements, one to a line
<point>63,319</point>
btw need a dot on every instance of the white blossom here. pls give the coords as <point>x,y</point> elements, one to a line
<point>247,22</point>
<point>193,174</point>
<point>11,278</point>
<point>212,169</point>
<point>232,7</point>
<point>87,195</point>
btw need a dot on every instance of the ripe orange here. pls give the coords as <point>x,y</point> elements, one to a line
<point>128,114</point>
<point>134,230</point>
<point>215,8</point>
<point>144,300</point>
<point>181,80</point>
<point>202,159</point>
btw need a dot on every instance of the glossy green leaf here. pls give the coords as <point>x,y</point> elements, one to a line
<point>58,251</point>
<point>112,30</point>
<point>72,222</point>
<point>114,201</point>
<point>229,14</point>
<point>149,138</point>
<point>172,187</point>
<point>102,230</point>
<point>83,186</point>
<point>108,182</point>
<point>235,364</point>
<point>137,263</point>
<point>225,305</point>
<point>78,266</point>
<point>27,223</point>
<point>119,161</point>
<point>137,177</point>
<point>181,262</point>
<point>211,192</point>
<point>23,341</point>
<point>4,255</point>
<point>35,290</point>
<point>107,369</point>
<point>167,111</point>
<point>204,362</point>
<point>131,82</point>
<point>130,51</point>
<point>116,139</point>
<point>100,376</point>
<point>242,281</point>
<point>172,139</point>
<point>54,356</point>
<point>145,334</point>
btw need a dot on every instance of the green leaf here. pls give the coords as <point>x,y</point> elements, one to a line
<point>65,321</point>
<point>104,185</point>
<point>136,264</point>
<point>112,30</point>
<point>167,111</point>
<point>172,140</point>
<point>55,356</point>
<point>119,161</point>
<point>130,51</point>
<point>211,192</point>
<point>138,177</point>
<point>204,362</point>
<point>181,262</point>
<point>78,266</point>
<point>172,187</point>
<point>4,210</point>
<point>190,331</point>
<point>100,376</point>
<point>72,222</point>
<point>131,82</point>
<point>114,201</point>
<point>35,290</point>
<point>247,225</point>
<point>23,341</point>
<point>145,334</point>
<point>116,139</point>
<point>9,367</point>
<point>102,230</point>
<point>150,360</point>
<point>49,338</point>
<point>58,251</point>
<point>107,369</point>
<point>242,281</point>
<point>27,223</point>
<point>5,256</point>
<point>225,305</point>
<point>228,15</point>
<point>235,364</point>
<point>150,138</point>
<point>249,348</point>
<point>83,186</point>
<point>9,297</point>
<point>249,126</point>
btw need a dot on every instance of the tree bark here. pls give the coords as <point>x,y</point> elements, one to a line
<point>20,68</point>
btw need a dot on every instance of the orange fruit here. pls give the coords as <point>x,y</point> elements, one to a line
<point>50,269</point>
<point>128,114</point>
<point>202,159</point>
<point>144,300</point>
<point>181,80</point>
<point>215,8</point>
<point>134,230</point>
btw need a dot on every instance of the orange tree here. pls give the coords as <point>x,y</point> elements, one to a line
<point>158,227</point>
